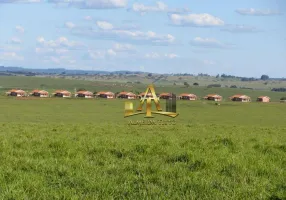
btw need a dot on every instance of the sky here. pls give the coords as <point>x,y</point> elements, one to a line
<point>242,38</point>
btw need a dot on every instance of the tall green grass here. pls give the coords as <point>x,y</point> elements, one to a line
<point>85,149</point>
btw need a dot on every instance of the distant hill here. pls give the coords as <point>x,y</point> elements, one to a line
<point>53,71</point>
<point>12,71</point>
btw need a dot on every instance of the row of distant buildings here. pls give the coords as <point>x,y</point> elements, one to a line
<point>129,95</point>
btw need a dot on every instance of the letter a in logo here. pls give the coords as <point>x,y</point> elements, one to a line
<point>149,96</point>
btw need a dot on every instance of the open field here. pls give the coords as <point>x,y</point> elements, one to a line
<point>84,149</point>
<point>179,80</point>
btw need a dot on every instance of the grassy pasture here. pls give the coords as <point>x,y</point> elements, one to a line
<point>84,149</point>
<point>179,80</point>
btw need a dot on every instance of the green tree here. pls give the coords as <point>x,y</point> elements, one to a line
<point>186,84</point>
<point>264,77</point>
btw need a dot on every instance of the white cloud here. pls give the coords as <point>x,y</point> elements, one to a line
<point>257,12</point>
<point>51,51</point>
<point>61,42</point>
<point>41,40</point>
<point>15,40</point>
<point>104,25</point>
<point>20,29</point>
<point>88,18</point>
<point>30,1</point>
<point>58,48</point>
<point>96,54</point>
<point>129,26</point>
<point>69,25</point>
<point>154,55</point>
<point>71,61</point>
<point>172,55</point>
<point>123,47</point>
<point>93,4</point>
<point>44,50</point>
<point>21,1</point>
<point>159,7</point>
<point>10,56</point>
<point>210,43</point>
<point>209,62</point>
<point>55,59</point>
<point>107,31</point>
<point>60,60</point>
<point>61,51</point>
<point>111,52</point>
<point>240,29</point>
<point>116,51</point>
<point>195,20</point>
<point>9,48</point>
<point>145,36</point>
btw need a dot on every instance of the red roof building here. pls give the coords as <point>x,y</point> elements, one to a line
<point>106,95</point>
<point>264,99</point>
<point>126,95</point>
<point>16,93</point>
<point>213,97</point>
<point>39,93</point>
<point>62,93</point>
<point>84,94</point>
<point>186,96</point>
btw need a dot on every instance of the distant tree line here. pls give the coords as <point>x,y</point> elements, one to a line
<point>263,77</point>
<point>183,74</point>
<point>246,88</point>
<point>201,74</point>
<point>278,89</point>
<point>227,76</point>
<point>214,85</point>
<point>249,79</point>
<point>22,73</point>
<point>187,74</point>
<point>238,77</point>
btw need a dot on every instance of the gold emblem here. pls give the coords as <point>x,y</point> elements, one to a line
<point>150,89</point>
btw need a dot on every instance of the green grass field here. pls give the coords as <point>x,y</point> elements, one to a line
<point>85,149</point>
